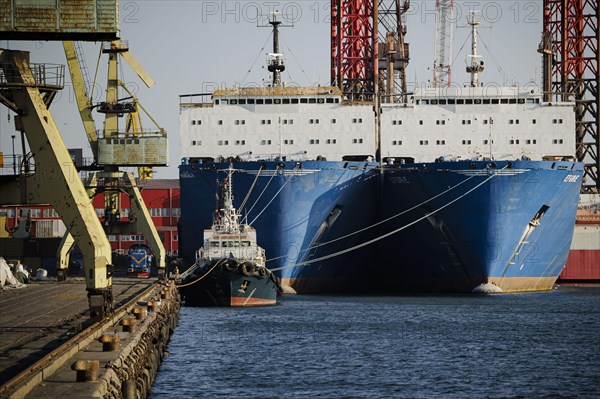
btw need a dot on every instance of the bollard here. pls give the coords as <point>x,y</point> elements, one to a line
<point>128,389</point>
<point>128,324</point>
<point>87,370</point>
<point>110,343</point>
<point>140,313</point>
<point>152,306</point>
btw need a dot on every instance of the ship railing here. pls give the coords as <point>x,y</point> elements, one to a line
<point>16,164</point>
<point>132,135</point>
<point>189,271</point>
<point>50,76</point>
<point>198,100</point>
<point>199,254</point>
<point>588,218</point>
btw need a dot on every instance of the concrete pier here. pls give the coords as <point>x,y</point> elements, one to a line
<point>49,349</point>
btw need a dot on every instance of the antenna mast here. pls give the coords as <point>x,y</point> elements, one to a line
<point>442,71</point>
<point>275,64</point>
<point>476,66</point>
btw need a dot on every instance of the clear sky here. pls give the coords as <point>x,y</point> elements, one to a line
<point>195,46</point>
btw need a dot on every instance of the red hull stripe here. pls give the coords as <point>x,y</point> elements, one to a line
<point>239,301</point>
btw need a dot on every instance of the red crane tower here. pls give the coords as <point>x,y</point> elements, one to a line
<point>368,37</point>
<point>354,47</point>
<point>571,43</point>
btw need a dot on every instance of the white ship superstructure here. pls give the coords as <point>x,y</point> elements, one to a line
<point>293,123</point>
<point>310,122</point>
<point>477,123</point>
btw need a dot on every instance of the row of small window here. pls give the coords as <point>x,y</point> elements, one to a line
<point>283,121</point>
<point>359,120</point>
<point>268,101</point>
<point>485,101</point>
<point>268,142</point>
<point>154,212</point>
<point>133,237</point>
<point>32,212</point>
<point>317,141</point>
<point>485,142</point>
<point>485,121</point>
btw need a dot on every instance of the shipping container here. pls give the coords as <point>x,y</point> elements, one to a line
<point>48,247</point>
<point>92,20</point>
<point>583,263</point>
<point>49,228</point>
<point>50,265</point>
<point>32,263</point>
<point>134,151</point>
<point>11,247</point>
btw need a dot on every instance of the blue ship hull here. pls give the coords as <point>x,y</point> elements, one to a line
<point>289,203</point>
<point>507,225</point>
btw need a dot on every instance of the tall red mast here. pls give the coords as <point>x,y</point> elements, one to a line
<point>354,47</point>
<point>572,28</point>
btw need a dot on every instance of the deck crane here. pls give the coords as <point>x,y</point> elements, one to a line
<point>131,147</point>
<point>393,51</point>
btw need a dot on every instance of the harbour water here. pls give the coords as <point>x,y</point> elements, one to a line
<point>534,345</point>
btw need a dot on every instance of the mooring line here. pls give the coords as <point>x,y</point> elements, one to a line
<point>364,244</point>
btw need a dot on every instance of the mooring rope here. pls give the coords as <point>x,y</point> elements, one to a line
<point>275,196</point>
<point>380,222</point>
<point>251,188</point>
<point>364,244</point>
<point>259,197</point>
<point>201,277</point>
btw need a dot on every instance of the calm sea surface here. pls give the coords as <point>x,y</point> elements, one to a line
<point>541,345</point>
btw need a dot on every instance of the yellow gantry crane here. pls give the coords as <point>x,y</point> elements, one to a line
<point>28,90</point>
<point>115,147</point>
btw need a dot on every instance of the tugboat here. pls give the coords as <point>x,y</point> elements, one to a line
<point>230,267</point>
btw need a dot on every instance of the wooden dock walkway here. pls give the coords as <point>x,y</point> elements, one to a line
<point>42,316</point>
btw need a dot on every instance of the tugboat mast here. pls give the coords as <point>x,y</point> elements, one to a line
<point>226,217</point>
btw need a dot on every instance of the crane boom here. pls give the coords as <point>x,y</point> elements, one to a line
<point>84,103</point>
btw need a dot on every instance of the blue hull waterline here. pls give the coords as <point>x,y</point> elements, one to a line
<point>335,227</point>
